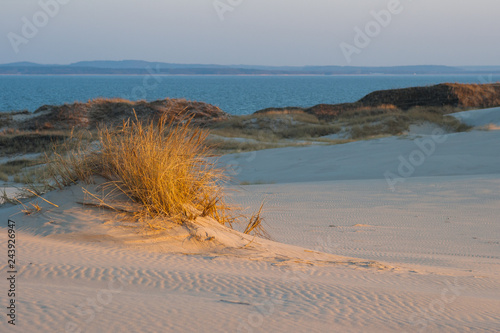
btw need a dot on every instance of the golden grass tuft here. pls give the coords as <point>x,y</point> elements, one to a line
<point>35,208</point>
<point>165,167</point>
<point>254,226</point>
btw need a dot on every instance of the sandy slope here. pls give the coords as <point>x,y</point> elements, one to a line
<point>480,117</point>
<point>470,153</point>
<point>428,249</point>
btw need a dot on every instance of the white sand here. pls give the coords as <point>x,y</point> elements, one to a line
<point>479,117</point>
<point>428,249</point>
<point>471,153</point>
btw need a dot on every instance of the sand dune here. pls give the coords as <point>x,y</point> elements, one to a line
<point>470,153</point>
<point>349,253</point>
<point>480,117</point>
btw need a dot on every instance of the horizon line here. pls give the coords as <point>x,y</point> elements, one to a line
<point>248,65</point>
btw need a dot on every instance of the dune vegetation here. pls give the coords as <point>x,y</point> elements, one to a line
<point>378,114</point>
<point>280,127</point>
<point>163,166</point>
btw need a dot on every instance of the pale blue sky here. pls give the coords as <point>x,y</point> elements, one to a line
<point>258,32</point>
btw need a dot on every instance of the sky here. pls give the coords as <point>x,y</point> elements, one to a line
<point>253,32</point>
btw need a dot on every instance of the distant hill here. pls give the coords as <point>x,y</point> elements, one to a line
<point>446,94</point>
<point>114,111</point>
<point>138,67</point>
<point>22,64</point>
<point>446,97</point>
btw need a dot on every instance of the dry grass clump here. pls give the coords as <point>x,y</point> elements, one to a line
<point>15,166</point>
<point>160,165</point>
<point>230,146</point>
<point>354,121</point>
<point>377,122</point>
<point>106,100</point>
<point>273,127</point>
<point>28,142</point>
<point>285,110</point>
<point>165,168</point>
<point>4,177</point>
<point>365,115</point>
<point>445,94</point>
<point>255,224</point>
<point>477,95</point>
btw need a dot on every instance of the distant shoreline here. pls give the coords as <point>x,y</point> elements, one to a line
<point>260,75</point>
<point>139,67</point>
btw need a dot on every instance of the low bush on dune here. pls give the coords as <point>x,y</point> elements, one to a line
<point>165,167</point>
<point>270,127</point>
<point>28,142</point>
<point>369,123</point>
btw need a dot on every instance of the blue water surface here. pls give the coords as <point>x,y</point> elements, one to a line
<point>233,94</point>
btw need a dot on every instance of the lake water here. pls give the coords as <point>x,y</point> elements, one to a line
<point>233,94</point>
